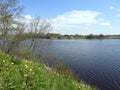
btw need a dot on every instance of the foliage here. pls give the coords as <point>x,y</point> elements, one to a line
<point>28,75</point>
<point>77,36</point>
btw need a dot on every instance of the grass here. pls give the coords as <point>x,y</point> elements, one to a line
<point>28,75</point>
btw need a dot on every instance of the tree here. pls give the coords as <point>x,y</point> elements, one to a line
<point>9,11</point>
<point>101,36</point>
<point>38,27</point>
<point>90,36</point>
<point>12,30</point>
<point>9,26</point>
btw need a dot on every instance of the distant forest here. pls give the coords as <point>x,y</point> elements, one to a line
<point>76,36</point>
<point>59,36</point>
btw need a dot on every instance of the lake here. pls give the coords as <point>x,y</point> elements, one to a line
<point>97,62</point>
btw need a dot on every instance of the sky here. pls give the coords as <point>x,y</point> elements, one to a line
<point>77,16</point>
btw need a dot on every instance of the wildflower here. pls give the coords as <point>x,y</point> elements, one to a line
<point>33,73</point>
<point>30,69</point>
<point>76,85</point>
<point>25,75</point>
<point>3,61</point>
<point>57,74</point>
<point>73,83</point>
<point>12,63</point>
<point>79,86</point>
<point>26,66</point>
<point>39,68</point>
<point>54,72</point>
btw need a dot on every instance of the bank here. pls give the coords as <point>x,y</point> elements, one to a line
<point>18,74</point>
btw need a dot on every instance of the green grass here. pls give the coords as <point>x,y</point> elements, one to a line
<point>28,75</point>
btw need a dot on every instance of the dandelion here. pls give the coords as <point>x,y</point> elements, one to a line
<point>39,68</point>
<point>33,73</point>
<point>25,75</point>
<point>3,61</point>
<point>57,74</point>
<point>54,72</point>
<point>76,85</point>
<point>12,63</point>
<point>79,86</point>
<point>30,70</point>
<point>26,66</point>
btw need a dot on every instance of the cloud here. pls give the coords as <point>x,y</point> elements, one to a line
<point>25,18</point>
<point>77,17</point>
<point>117,10</point>
<point>105,24</point>
<point>111,7</point>
<point>78,20</point>
<point>28,17</point>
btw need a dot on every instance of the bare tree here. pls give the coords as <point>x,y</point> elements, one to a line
<point>9,26</point>
<point>9,11</point>
<point>12,31</point>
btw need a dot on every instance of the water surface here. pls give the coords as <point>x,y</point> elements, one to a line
<point>95,61</point>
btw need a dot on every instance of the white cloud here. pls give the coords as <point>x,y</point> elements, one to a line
<point>25,18</point>
<point>111,7</point>
<point>105,24</point>
<point>78,20</point>
<point>28,17</point>
<point>77,17</point>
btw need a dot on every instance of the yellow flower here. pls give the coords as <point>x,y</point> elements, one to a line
<point>73,83</point>
<point>76,85</point>
<point>3,61</point>
<point>54,72</point>
<point>57,74</point>
<point>25,75</point>
<point>30,69</point>
<point>39,68</point>
<point>26,66</point>
<point>79,86</point>
<point>33,73</point>
<point>12,63</point>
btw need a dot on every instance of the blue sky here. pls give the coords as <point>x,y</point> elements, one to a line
<point>77,16</point>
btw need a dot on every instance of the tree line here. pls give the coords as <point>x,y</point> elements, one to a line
<point>76,36</point>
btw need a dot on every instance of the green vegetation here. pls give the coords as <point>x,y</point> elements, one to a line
<point>90,36</point>
<point>28,75</point>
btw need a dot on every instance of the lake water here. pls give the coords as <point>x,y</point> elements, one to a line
<point>95,61</point>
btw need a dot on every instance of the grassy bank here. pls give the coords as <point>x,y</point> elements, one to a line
<point>28,75</point>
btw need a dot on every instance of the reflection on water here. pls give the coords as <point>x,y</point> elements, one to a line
<point>94,61</point>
